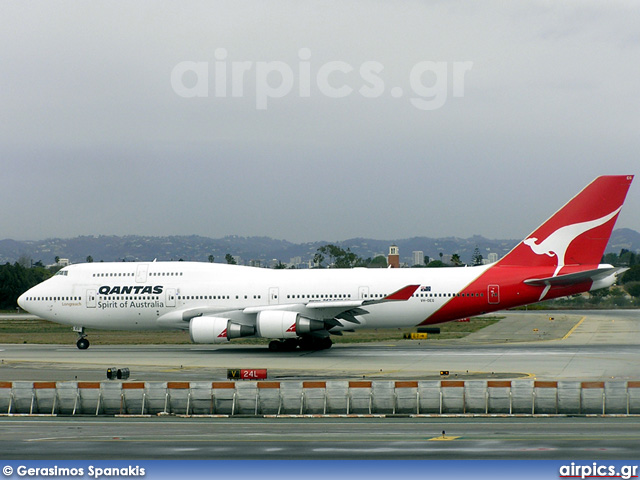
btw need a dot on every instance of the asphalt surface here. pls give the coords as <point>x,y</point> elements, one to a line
<point>542,345</point>
<point>275,439</point>
<point>576,346</point>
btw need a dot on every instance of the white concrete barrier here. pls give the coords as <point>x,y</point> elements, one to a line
<point>339,397</point>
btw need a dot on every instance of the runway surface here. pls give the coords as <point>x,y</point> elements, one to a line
<point>541,345</point>
<point>399,438</point>
<point>572,346</point>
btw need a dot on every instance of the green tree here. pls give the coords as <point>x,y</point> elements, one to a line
<point>455,260</point>
<point>230,260</point>
<point>600,293</point>
<point>211,258</point>
<point>340,258</point>
<point>16,279</point>
<point>89,259</point>
<point>477,257</point>
<point>633,289</point>
<point>616,292</point>
<point>436,264</point>
<point>631,275</point>
<point>377,262</point>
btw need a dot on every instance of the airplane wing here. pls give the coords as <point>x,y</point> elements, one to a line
<point>401,295</point>
<point>329,311</point>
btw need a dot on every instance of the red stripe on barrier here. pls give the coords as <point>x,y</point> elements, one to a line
<point>38,385</point>
<point>179,385</point>
<point>359,384</point>
<point>499,384</point>
<point>545,384</point>
<point>268,384</point>
<point>229,385</point>
<point>95,385</point>
<point>314,384</point>
<point>132,385</point>
<point>452,383</point>
<point>592,384</point>
<point>406,384</point>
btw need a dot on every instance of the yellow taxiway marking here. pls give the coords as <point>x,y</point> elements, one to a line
<point>573,329</point>
<point>442,438</point>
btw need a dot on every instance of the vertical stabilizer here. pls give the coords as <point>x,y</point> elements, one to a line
<point>578,233</point>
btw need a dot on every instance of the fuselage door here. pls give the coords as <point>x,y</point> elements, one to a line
<point>273,296</point>
<point>141,273</point>
<point>171,297</point>
<point>363,293</point>
<point>493,293</point>
<point>91,299</point>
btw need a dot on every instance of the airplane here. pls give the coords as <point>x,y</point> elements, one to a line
<point>302,309</point>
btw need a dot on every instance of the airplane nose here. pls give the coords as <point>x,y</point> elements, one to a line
<point>22,300</point>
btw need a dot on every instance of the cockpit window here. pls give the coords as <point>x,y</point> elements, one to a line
<point>62,272</point>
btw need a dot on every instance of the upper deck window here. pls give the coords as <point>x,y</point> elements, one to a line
<point>62,272</point>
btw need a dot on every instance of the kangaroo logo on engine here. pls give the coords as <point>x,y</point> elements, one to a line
<point>130,289</point>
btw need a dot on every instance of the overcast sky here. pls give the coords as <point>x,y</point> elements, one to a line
<point>376,119</point>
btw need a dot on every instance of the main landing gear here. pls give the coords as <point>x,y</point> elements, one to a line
<point>83,342</point>
<point>304,343</point>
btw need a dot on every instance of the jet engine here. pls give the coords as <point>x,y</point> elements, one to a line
<point>282,324</point>
<point>217,330</point>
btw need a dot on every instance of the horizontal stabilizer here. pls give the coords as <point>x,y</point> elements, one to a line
<point>594,275</point>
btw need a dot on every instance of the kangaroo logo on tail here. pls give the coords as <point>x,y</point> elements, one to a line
<point>558,242</point>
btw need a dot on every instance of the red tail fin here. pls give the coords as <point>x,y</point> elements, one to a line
<point>578,233</point>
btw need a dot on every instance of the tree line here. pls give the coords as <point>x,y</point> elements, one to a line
<point>18,278</point>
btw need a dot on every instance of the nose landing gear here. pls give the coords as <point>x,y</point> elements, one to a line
<point>83,342</point>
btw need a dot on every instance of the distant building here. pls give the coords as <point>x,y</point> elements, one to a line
<point>417,258</point>
<point>394,257</point>
<point>492,257</point>
<point>62,262</point>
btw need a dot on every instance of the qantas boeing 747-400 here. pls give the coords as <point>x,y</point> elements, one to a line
<point>303,308</point>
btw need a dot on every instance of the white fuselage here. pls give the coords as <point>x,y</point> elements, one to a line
<point>146,296</point>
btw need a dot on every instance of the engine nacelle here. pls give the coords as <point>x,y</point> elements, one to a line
<point>217,330</point>
<point>307,325</point>
<point>208,329</point>
<point>281,324</point>
<point>236,330</point>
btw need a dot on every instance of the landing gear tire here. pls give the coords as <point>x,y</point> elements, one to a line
<point>83,343</point>
<point>288,345</point>
<point>314,344</point>
<point>325,343</point>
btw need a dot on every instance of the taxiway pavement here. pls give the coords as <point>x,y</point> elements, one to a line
<point>598,345</point>
<point>542,345</point>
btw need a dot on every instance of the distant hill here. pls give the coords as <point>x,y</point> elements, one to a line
<point>264,249</point>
